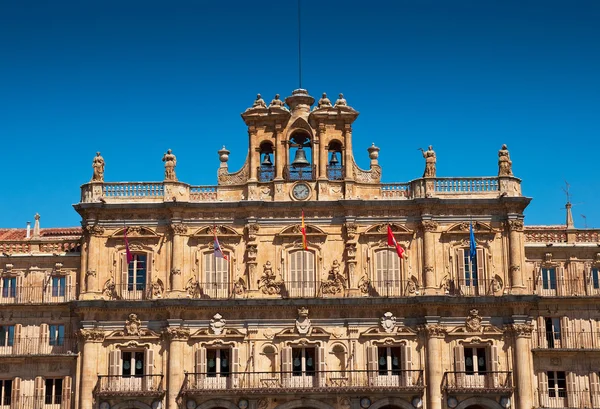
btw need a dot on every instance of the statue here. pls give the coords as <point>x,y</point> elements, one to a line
<point>341,101</point>
<point>324,102</point>
<point>429,156</point>
<point>504,162</point>
<point>259,102</point>
<point>268,283</point>
<point>277,103</point>
<point>335,282</point>
<point>98,166</point>
<point>170,162</point>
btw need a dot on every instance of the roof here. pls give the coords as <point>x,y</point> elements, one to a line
<point>56,233</point>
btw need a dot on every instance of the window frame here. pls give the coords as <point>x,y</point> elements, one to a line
<point>6,393</point>
<point>300,352</point>
<point>9,291</point>
<point>7,335</point>
<point>219,355</point>
<point>55,395</point>
<point>555,391</point>
<point>133,360</point>
<point>56,334</point>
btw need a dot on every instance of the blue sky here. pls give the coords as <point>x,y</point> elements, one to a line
<point>134,78</point>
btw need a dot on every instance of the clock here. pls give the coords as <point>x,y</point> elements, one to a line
<point>301,191</point>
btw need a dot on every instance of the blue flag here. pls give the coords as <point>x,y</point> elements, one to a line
<point>472,244</point>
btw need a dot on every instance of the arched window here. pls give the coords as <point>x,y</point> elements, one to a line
<point>301,274</point>
<point>387,280</point>
<point>266,170</point>
<point>335,164</point>
<point>300,157</point>
<point>215,280</point>
<point>134,275</point>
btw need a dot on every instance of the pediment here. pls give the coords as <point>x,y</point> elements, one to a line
<point>135,232</point>
<point>398,330</point>
<point>299,123</point>
<point>227,333</point>
<point>464,228</point>
<point>381,229</point>
<point>145,335</point>
<point>486,329</point>
<point>295,230</point>
<point>315,332</point>
<point>221,231</point>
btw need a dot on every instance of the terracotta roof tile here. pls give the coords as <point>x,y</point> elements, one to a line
<point>21,234</point>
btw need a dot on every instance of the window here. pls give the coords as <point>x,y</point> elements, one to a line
<point>136,273</point>
<point>9,287</point>
<point>303,361</point>
<point>132,363</point>
<point>57,335</point>
<point>218,363</point>
<point>557,384</point>
<point>58,286</point>
<point>549,278</point>
<point>595,280</point>
<point>302,274</point>
<point>388,360</point>
<point>53,391</point>
<point>553,332</point>
<point>387,278</point>
<point>470,267</point>
<point>475,361</point>
<point>7,335</point>
<point>5,391</point>
<point>216,276</point>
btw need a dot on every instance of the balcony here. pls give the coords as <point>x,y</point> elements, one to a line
<point>335,172</point>
<point>392,288</point>
<point>316,382</point>
<point>579,287</point>
<point>563,399</point>
<point>36,295</point>
<point>481,383</point>
<point>568,340</point>
<point>134,386</point>
<point>39,347</point>
<point>295,173</point>
<point>265,173</point>
<point>472,287</point>
<point>36,402</point>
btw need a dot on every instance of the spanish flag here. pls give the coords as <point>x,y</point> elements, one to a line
<point>303,230</point>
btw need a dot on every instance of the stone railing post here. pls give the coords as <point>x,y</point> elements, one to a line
<point>522,364</point>
<point>434,334</point>
<point>176,192</point>
<point>177,338</point>
<point>91,339</point>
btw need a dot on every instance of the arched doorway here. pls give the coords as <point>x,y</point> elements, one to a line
<point>479,403</point>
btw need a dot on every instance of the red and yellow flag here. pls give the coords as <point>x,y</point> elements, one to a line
<point>391,241</point>
<point>303,230</point>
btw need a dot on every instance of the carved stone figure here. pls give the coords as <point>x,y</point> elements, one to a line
<point>109,289</point>
<point>268,283</point>
<point>133,326</point>
<point>157,289</point>
<point>217,324</point>
<point>364,285</point>
<point>193,287</point>
<point>239,287</point>
<point>98,166</point>
<point>259,102</point>
<point>303,322</point>
<point>504,162</point>
<point>336,282</point>
<point>277,103</point>
<point>170,162</point>
<point>324,102</point>
<point>341,102</point>
<point>388,322</point>
<point>430,160</point>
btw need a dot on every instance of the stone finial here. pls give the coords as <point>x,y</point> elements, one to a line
<point>277,103</point>
<point>341,102</point>
<point>98,166</point>
<point>170,161</point>
<point>430,160</point>
<point>504,162</point>
<point>324,102</point>
<point>223,156</point>
<point>373,152</point>
<point>259,102</point>
<point>36,226</point>
<point>570,222</point>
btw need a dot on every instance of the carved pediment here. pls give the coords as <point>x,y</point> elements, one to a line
<point>379,331</point>
<point>464,228</point>
<point>135,232</point>
<point>315,332</point>
<point>226,333</point>
<point>381,230</point>
<point>222,232</point>
<point>300,123</point>
<point>295,231</point>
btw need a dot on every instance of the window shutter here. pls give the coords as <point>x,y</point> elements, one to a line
<point>149,267</point>
<point>222,277</point>
<point>310,278</point>
<point>208,270</point>
<point>19,344</point>
<point>459,365</point>
<point>38,386</point>
<point>44,339</point>
<point>566,336</point>
<point>480,267</point>
<point>149,370</point>
<point>380,268</point>
<point>372,363</point>
<point>494,366</point>
<point>561,285</point>
<point>286,362</point>
<point>541,333</point>
<point>321,360</point>
<point>235,366</point>
<point>114,363</point>
<point>543,391</point>
<point>572,390</point>
<point>69,290</point>
<point>15,395</point>
<point>124,274</point>
<point>406,364</point>
<point>20,291</point>
<point>200,357</point>
<point>595,389</point>
<point>66,393</point>
<point>460,265</point>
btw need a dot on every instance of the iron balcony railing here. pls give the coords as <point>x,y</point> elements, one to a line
<point>36,294</point>
<point>392,288</point>
<point>472,287</point>
<point>481,382</point>
<point>33,346</point>
<point>579,340</point>
<point>134,385</point>
<point>314,381</point>
<point>580,287</point>
<point>297,173</point>
<point>61,400</point>
<point>265,173</point>
<point>335,172</point>
<point>561,398</point>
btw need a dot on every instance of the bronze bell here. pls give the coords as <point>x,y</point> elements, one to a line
<point>267,160</point>
<point>334,160</point>
<point>300,159</point>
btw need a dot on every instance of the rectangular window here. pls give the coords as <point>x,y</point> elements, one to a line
<point>218,363</point>
<point>136,273</point>
<point>553,332</point>
<point>7,335</point>
<point>557,384</point>
<point>475,361</point>
<point>57,335</point>
<point>387,269</point>
<point>303,361</point>
<point>549,278</point>
<point>301,278</point>
<point>595,280</point>
<point>388,360</point>
<point>133,363</point>
<point>58,286</point>
<point>216,276</point>
<point>5,391</point>
<point>9,287</point>
<point>54,391</point>
<point>471,278</point>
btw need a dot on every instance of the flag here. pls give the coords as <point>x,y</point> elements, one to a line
<point>218,250</point>
<point>303,230</point>
<point>392,242</point>
<point>472,244</point>
<point>128,254</point>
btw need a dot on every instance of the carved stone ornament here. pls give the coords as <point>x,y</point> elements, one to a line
<point>364,285</point>
<point>90,273</point>
<point>157,289</point>
<point>268,282</point>
<point>110,289</point>
<point>239,287</point>
<point>515,225</point>
<point>217,324</point>
<point>548,258</point>
<point>522,330</point>
<point>303,323</point>
<point>253,229</point>
<point>91,335</point>
<point>133,326</point>
<point>180,333</point>
<point>429,225</point>
<point>251,251</point>
<point>178,228</point>
<point>434,330</point>
<point>351,230</point>
<point>193,287</point>
<point>388,322</point>
<point>95,230</point>
<point>473,322</point>
<point>335,282</point>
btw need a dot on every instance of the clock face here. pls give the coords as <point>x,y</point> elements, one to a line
<point>301,191</point>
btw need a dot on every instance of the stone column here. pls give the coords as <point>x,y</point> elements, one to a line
<point>434,374</point>
<point>348,160</point>
<point>177,337</point>
<point>89,287</point>
<point>90,338</point>
<point>252,162</point>
<point>322,152</point>
<point>429,278</point>
<point>523,370</point>
<point>177,259</point>
<point>515,235</point>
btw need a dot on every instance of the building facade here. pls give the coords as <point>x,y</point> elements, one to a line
<point>278,288</point>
